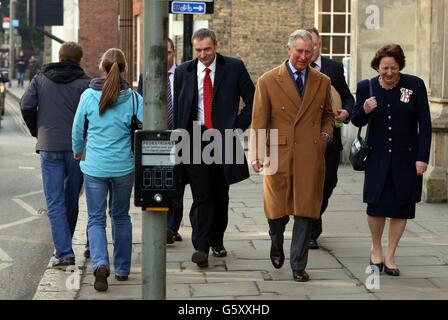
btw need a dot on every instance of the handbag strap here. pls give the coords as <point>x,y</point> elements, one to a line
<point>370,118</point>
<point>133,104</point>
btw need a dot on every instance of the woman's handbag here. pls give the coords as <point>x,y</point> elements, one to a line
<point>135,123</point>
<point>360,150</point>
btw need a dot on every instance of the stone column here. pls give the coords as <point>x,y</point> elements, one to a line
<point>435,182</point>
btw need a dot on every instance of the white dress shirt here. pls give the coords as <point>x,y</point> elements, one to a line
<point>318,62</point>
<point>201,76</point>
<point>302,74</point>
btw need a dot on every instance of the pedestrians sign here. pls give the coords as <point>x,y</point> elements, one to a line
<point>191,7</point>
<point>188,7</point>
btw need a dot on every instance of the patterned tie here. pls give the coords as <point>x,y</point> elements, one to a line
<point>208,97</point>
<point>315,66</point>
<point>169,103</point>
<point>299,83</point>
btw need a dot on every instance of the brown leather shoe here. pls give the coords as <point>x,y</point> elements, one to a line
<point>300,275</point>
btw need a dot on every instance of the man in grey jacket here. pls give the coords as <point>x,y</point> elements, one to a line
<point>48,108</point>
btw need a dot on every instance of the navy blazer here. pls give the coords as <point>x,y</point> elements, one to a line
<point>399,135</point>
<point>232,82</point>
<point>335,71</point>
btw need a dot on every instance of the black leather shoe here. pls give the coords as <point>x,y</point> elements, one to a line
<point>312,244</point>
<point>395,272</point>
<point>64,264</point>
<point>300,275</point>
<point>378,265</point>
<point>200,258</point>
<point>169,236</point>
<point>121,278</point>
<point>277,255</point>
<point>219,251</point>
<point>177,237</point>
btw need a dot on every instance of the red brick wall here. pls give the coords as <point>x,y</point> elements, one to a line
<point>98,31</point>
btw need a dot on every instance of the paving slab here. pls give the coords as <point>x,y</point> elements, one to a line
<point>247,288</point>
<point>311,287</point>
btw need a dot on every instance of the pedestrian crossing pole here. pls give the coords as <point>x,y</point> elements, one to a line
<point>154,108</point>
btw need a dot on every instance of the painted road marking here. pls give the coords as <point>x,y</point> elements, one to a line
<point>19,222</point>
<point>26,206</point>
<point>5,260</point>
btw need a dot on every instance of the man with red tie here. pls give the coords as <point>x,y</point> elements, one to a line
<point>207,93</point>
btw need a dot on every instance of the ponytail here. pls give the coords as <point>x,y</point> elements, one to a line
<point>113,64</point>
<point>111,89</point>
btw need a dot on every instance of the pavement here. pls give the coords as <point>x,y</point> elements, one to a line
<point>337,270</point>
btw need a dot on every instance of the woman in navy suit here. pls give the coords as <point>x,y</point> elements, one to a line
<point>399,141</point>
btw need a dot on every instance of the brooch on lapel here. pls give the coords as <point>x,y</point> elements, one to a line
<point>406,95</point>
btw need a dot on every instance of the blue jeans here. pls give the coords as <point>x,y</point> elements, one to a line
<point>96,194</point>
<point>62,182</point>
<point>20,79</point>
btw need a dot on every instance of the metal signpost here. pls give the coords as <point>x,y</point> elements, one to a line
<point>156,176</point>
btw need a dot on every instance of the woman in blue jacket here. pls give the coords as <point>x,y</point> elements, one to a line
<point>399,141</point>
<point>106,109</point>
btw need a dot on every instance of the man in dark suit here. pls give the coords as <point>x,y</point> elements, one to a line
<point>207,92</point>
<point>174,217</point>
<point>335,71</point>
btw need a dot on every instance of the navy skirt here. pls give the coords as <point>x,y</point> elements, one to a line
<point>388,206</point>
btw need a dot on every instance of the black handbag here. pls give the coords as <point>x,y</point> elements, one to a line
<point>359,150</point>
<point>136,124</point>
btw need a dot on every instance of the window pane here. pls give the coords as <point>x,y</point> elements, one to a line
<point>339,23</point>
<point>337,58</point>
<point>326,23</point>
<point>325,44</point>
<point>339,6</point>
<point>325,5</point>
<point>348,45</point>
<point>349,24</point>
<point>338,44</point>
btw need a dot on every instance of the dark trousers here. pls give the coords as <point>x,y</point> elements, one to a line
<point>209,211</point>
<point>174,217</point>
<point>301,234</point>
<point>332,160</point>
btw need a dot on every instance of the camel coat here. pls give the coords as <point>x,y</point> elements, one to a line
<point>293,184</point>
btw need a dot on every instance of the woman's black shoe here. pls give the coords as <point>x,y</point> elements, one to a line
<point>395,272</point>
<point>378,265</point>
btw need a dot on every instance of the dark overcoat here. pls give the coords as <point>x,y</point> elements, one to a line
<point>232,82</point>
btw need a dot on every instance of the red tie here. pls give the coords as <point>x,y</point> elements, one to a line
<point>208,97</point>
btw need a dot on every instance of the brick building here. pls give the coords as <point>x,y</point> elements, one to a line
<point>98,31</point>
